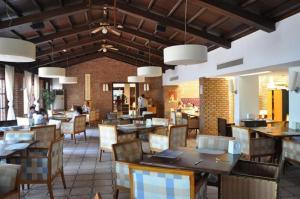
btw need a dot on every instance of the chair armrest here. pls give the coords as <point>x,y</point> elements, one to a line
<point>158,142</point>
<point>262,146</point>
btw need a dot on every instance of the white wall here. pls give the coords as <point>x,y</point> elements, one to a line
<point>294,102</point>
<point>259,50</point>
<point>56,85</point>
<point>246,100</point>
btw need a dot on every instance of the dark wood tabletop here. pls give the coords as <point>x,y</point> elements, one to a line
<point>189,160</point>
<point>6,153</point>
<point>276,132</point>
<point>130,128</point>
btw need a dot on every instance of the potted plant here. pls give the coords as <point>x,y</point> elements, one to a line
<point>49,98</point>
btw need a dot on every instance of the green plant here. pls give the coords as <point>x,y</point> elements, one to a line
<point>48,97</point>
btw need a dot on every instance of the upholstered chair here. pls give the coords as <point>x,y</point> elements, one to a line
<point>124,154</point>
<point>291,150</point>
<point>92,118</point>
<point>57,123</point>
<point>9,181</point>
<point>177,137</point>
<point>251,180</point>
<point>19,136</point>
<point>45,135</point>
<point>164,122</point>
<point>42,169</point>
<point>155,182</point>
<point>213,142</point>
<point>75,127</point>
<point>253,147</point>
<point>22,121</point>
<point>109,136</point>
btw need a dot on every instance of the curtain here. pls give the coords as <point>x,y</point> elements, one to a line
<point>27,85</point>
<point>9,87</point>
<point>36,92</point>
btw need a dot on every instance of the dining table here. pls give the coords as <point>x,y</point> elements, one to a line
<point>276,132</point>
<point>9,148</point>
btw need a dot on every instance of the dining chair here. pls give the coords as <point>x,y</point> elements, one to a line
<point>42,169</point>
<point>76,127</point>
<point>109,136</point>
<point>155,182</point>
<point>57,123</point>
<point>9,181</point>
<point>251,180</point>
<point>224,129</point>
<point>213,142</point>
<point>44,135</point>
<point>177,137</point>
<point>124,154</point>
<point>112,116</point>
<point>19,136</point>
<point>91,118</point>
<point>163,128</point>
<point>251,147</point>
<point>291,150</point>
<point>22,121</point>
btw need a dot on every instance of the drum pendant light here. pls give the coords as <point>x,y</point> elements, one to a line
<point>16,50</point>
<point>135,79</point>
<point>149,71</point>
<point>187,53</point>
<point>52,72</point>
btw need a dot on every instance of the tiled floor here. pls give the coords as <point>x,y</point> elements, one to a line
<point>85,175</point>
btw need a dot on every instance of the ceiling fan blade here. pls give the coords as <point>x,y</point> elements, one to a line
<point>96,30</point>
<point>115,49</point>
<point>100,50</point>
<point>108,46</point>
<point>114,32</point>
<point>119,26</point>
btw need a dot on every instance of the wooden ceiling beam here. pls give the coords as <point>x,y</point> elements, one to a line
<point>151,3</point>
<point>17,34</point>
<point>139,12</point>
<point>11,8</point>
<point>235,12</point>
<point>198,13</point>
<point>174,8</point>
<point>42,16</point>
<point>248,3</point>
<point>217,23</point>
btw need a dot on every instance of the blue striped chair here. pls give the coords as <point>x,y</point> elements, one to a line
<point>38,169</point>
<point>162,183</point>
<point>9,181</point>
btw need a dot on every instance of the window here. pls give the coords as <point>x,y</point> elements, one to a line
<point>2,100</point>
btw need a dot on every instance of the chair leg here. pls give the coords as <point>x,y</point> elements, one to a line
<point>63,178</point>
<point>84,135</point>
<point>116,195</point>
<point>28,186</point>
<point>74,138</point>
<point>50,190</point>
<point>23,187</point>
<point>100,155</point>
<point>71,136</point>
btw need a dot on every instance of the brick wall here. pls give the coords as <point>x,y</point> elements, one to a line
<point>214,103</point>
<point>106,70</point>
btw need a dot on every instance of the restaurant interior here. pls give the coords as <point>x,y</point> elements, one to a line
<point>149,99</point>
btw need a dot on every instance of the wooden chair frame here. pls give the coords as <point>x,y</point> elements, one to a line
<point>41,127</point>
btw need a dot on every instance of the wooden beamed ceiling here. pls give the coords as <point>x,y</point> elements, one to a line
<point>66,36</point>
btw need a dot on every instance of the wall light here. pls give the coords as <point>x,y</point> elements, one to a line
<point>146,87</point>
<point>105,87</point>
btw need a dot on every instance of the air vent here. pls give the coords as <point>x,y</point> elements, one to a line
<point>174,78</point>
<point>230,64</point>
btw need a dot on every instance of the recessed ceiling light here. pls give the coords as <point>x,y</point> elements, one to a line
<point>64,50</point>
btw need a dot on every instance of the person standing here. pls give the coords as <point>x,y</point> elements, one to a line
<point>142,104</point>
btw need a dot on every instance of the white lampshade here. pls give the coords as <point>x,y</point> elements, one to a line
<point>52,72</point>
<point>68,80</point>
<point>149,71</point>
<point>185,54</point>
<point>16,50</point>
<point>136,79</point>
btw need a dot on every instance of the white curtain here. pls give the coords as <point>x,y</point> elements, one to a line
<point>9,86</point>
<point>27,85</point>
<point>36,92</point>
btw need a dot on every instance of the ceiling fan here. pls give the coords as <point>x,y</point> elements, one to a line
<point>105,47</point>
<point>105,27</point>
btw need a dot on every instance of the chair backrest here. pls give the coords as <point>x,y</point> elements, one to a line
<point>23,121</point>
<point>193,122</point>
<point>177,136</point>
<point>213,142</point>
<point>19,135</point>
<point>92,116</point>
<point>160,121</point>
<point>108,136</point>
<point>79,123</point>
<point>55,156</point>
<point>153,182</point>
<point>130,151</point>
<point>44,134</point>
<point>255,123</point>
<point>222,127</point>
<point>148,115</point>
<point>57,123</point>
<point>112,116</point>
<point>9,178</point>
<point>242,135</point>
<point>291,150</point>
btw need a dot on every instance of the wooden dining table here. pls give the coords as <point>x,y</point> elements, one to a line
<point>276,132</point>
<point>8,149</point>
<point>137,128</point>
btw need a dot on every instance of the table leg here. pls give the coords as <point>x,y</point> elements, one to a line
<point>219,186</point>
